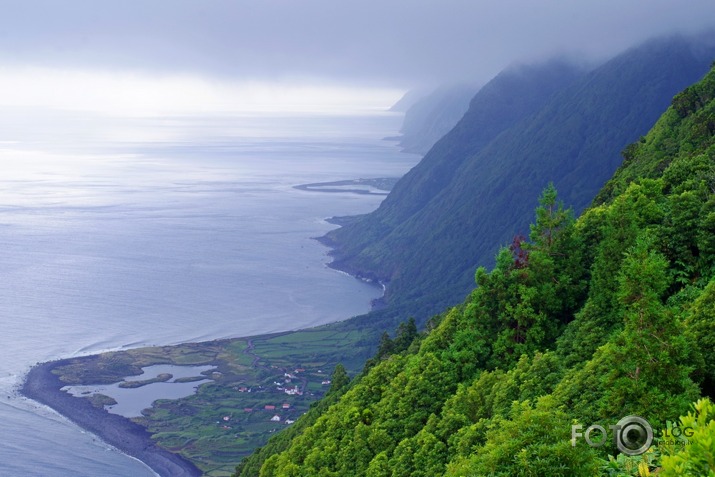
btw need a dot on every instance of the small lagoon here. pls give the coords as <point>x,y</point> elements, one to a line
<point>138,392</point>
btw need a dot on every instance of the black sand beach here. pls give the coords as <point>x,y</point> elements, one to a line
<point>43,386</point>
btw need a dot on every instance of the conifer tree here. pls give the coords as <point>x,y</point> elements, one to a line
<point>338,379</point>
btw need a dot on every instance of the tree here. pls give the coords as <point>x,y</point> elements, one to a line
<point>701,331</point>
<point>339,379</point>
<point>406,334</point>
<point>651,358</point>
<point>534,442</point>
<point>697,458</point>
<point>550,219</point>
<point>379,466</point>
<point>386,347</point>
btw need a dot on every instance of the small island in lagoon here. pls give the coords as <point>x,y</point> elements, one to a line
<point>255,386</point>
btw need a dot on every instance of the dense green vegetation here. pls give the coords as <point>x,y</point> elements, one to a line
<point>243,383</point>
<point>475,188</point>
<point>585,321</point>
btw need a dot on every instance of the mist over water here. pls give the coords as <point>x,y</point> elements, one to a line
<point>119,233</point>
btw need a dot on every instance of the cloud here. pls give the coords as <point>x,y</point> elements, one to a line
<point>142,94</point>
<point>398,43</point>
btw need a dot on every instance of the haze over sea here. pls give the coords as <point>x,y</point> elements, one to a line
<point>119,233</point>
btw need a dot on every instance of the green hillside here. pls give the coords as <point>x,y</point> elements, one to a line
<point>584,322</point>
<point>475,188</point>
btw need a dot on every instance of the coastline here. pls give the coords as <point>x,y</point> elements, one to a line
<point>132,439</point>
<point>385,185</point>
<point>343,267</point>
<point>43,386</point>
<point>374,186</point>
<point>214,445</point>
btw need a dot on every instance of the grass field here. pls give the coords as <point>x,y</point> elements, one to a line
<point>227,418</point>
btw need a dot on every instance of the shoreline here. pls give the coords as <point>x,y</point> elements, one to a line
<point>340,266</point>
<point>42,385</point>
<point>134,438</point>
<point>381,186</point>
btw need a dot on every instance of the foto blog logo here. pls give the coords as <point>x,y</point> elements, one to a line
<point>632,435</point>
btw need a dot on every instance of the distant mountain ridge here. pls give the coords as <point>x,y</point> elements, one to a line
<point>429,117</point>
<point>473,190</point>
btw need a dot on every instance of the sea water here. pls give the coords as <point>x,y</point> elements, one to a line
<point>125,232</point>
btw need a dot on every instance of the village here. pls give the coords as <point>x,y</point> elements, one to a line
<point>257,386</point>
<point>279,402</point>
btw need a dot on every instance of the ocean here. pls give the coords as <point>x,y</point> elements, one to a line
<point>125,232</point>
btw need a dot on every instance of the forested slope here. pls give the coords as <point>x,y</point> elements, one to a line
<point>585,321</point>
<point>475,187</point>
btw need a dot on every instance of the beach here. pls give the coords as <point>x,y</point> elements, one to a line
<point>130,438</point>
<point>121,245</point>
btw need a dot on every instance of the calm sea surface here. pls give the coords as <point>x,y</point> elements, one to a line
<point>140,231</point>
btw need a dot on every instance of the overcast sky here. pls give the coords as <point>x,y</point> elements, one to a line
<point>385,45</point>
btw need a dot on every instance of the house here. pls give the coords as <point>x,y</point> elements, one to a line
<point>276,418</point>
<point>288,421</point>
<point>269,407</point>
<point>286,406</point>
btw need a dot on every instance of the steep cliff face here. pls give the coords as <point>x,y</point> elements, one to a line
<point>433,115</point>
<point>472,192</point>
<point>512,95</point>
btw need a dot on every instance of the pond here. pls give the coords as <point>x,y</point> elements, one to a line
<point>138,392</point>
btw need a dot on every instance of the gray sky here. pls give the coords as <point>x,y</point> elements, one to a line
<point>395,44</point>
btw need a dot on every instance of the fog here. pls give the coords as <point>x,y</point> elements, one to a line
<point>372,45</point>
